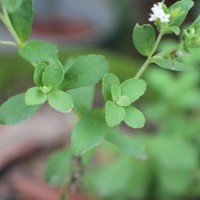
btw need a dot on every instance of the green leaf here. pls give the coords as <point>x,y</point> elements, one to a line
<point>109,80</point>
<point>130,145</point>
<point>114,114</point>
<point>134,118</point>
<point>183,7</point>
<point>82,105</point>
<point>15,110</point>
<point>133,88</point>
<point>60,101</point>
<point>172,64</point>
<point>12,5</point>
<point>173,153</point>
<point>119,179</point>
<point>35,96</point>
<point>144,38</point>
<point>58,167</point>
<point>87,70</point>
<point>89,132</point>
<point>53,75</point>
<point>21,19</point>
<point>115,92</point>
<point>38,51</point>
<point>123,101</point>
<point>172,29</point>
<point>39,69</point>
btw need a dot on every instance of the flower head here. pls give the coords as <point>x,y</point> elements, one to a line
<point>159,14</point>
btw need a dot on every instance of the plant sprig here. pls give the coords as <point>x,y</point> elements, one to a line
<point>63,87</point>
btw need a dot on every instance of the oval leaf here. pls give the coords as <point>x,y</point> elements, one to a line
<point>183,7</point>
<point>89,132</point>
<point>134,118</point>
<point>114,114</point>
<point>15,110</point>
<point>35,96</point>
<point>58,167</point>
<point>38,51</point>
<point>133,88</point>
<point>21,19</point>
<point>144,38</point>
<point>39,69</point>
<point>60,101</point>
<point>172,64</point>
<point>87,70</point>
<point>109,80</point>
<point>53,75</point>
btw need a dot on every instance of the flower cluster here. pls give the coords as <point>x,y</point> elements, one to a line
<point>159,14</point>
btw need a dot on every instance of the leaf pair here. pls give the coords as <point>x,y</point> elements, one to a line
<point>57,99</point>
<point>119,98</point>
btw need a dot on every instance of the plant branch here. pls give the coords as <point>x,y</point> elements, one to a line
<point>77,173</point>
<point>148,61</point>
<point>8,43</point>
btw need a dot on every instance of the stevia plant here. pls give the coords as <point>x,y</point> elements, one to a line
<point>63,87</point>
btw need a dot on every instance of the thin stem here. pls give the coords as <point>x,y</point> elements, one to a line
<point>8,43</point>
<point>148,61</point>
<point>6,20</point>
<point>64,191</point>
<point>77,173</point>
<point>75,179</point>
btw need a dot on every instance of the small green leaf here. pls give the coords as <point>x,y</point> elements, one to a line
<point>172,29</point>
<point>39,69</point>
<point>35,96</point>
<point>53,75</point>
<point>133,88</point>
<point>21,19</point>
<point>58,167</point>
<point>12,5</point>
<point>134,118</point>
<point>123,101</point>
<point>114,114</point>
<point>144,38</point>
<point>184,6</point>
<point>60,101</point>
<point>116,92</point>
<point>89,132</point>
<point>87,70</point>
<point>109,80</point>
<point>130,145</point>
<point>82,105</point>
<point>15,110</point>
<point>172,64</point>
<point>38,51</point>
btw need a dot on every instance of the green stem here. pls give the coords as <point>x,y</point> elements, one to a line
<point>8,43</point>
<point>75,180</point>
<point>64,191</point>
<point>6,20</point>
<point>148,61</point>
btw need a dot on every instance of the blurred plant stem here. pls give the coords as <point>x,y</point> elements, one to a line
<point>77,171</point>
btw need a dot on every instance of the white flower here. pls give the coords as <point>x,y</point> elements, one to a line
<point>159,14</point>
